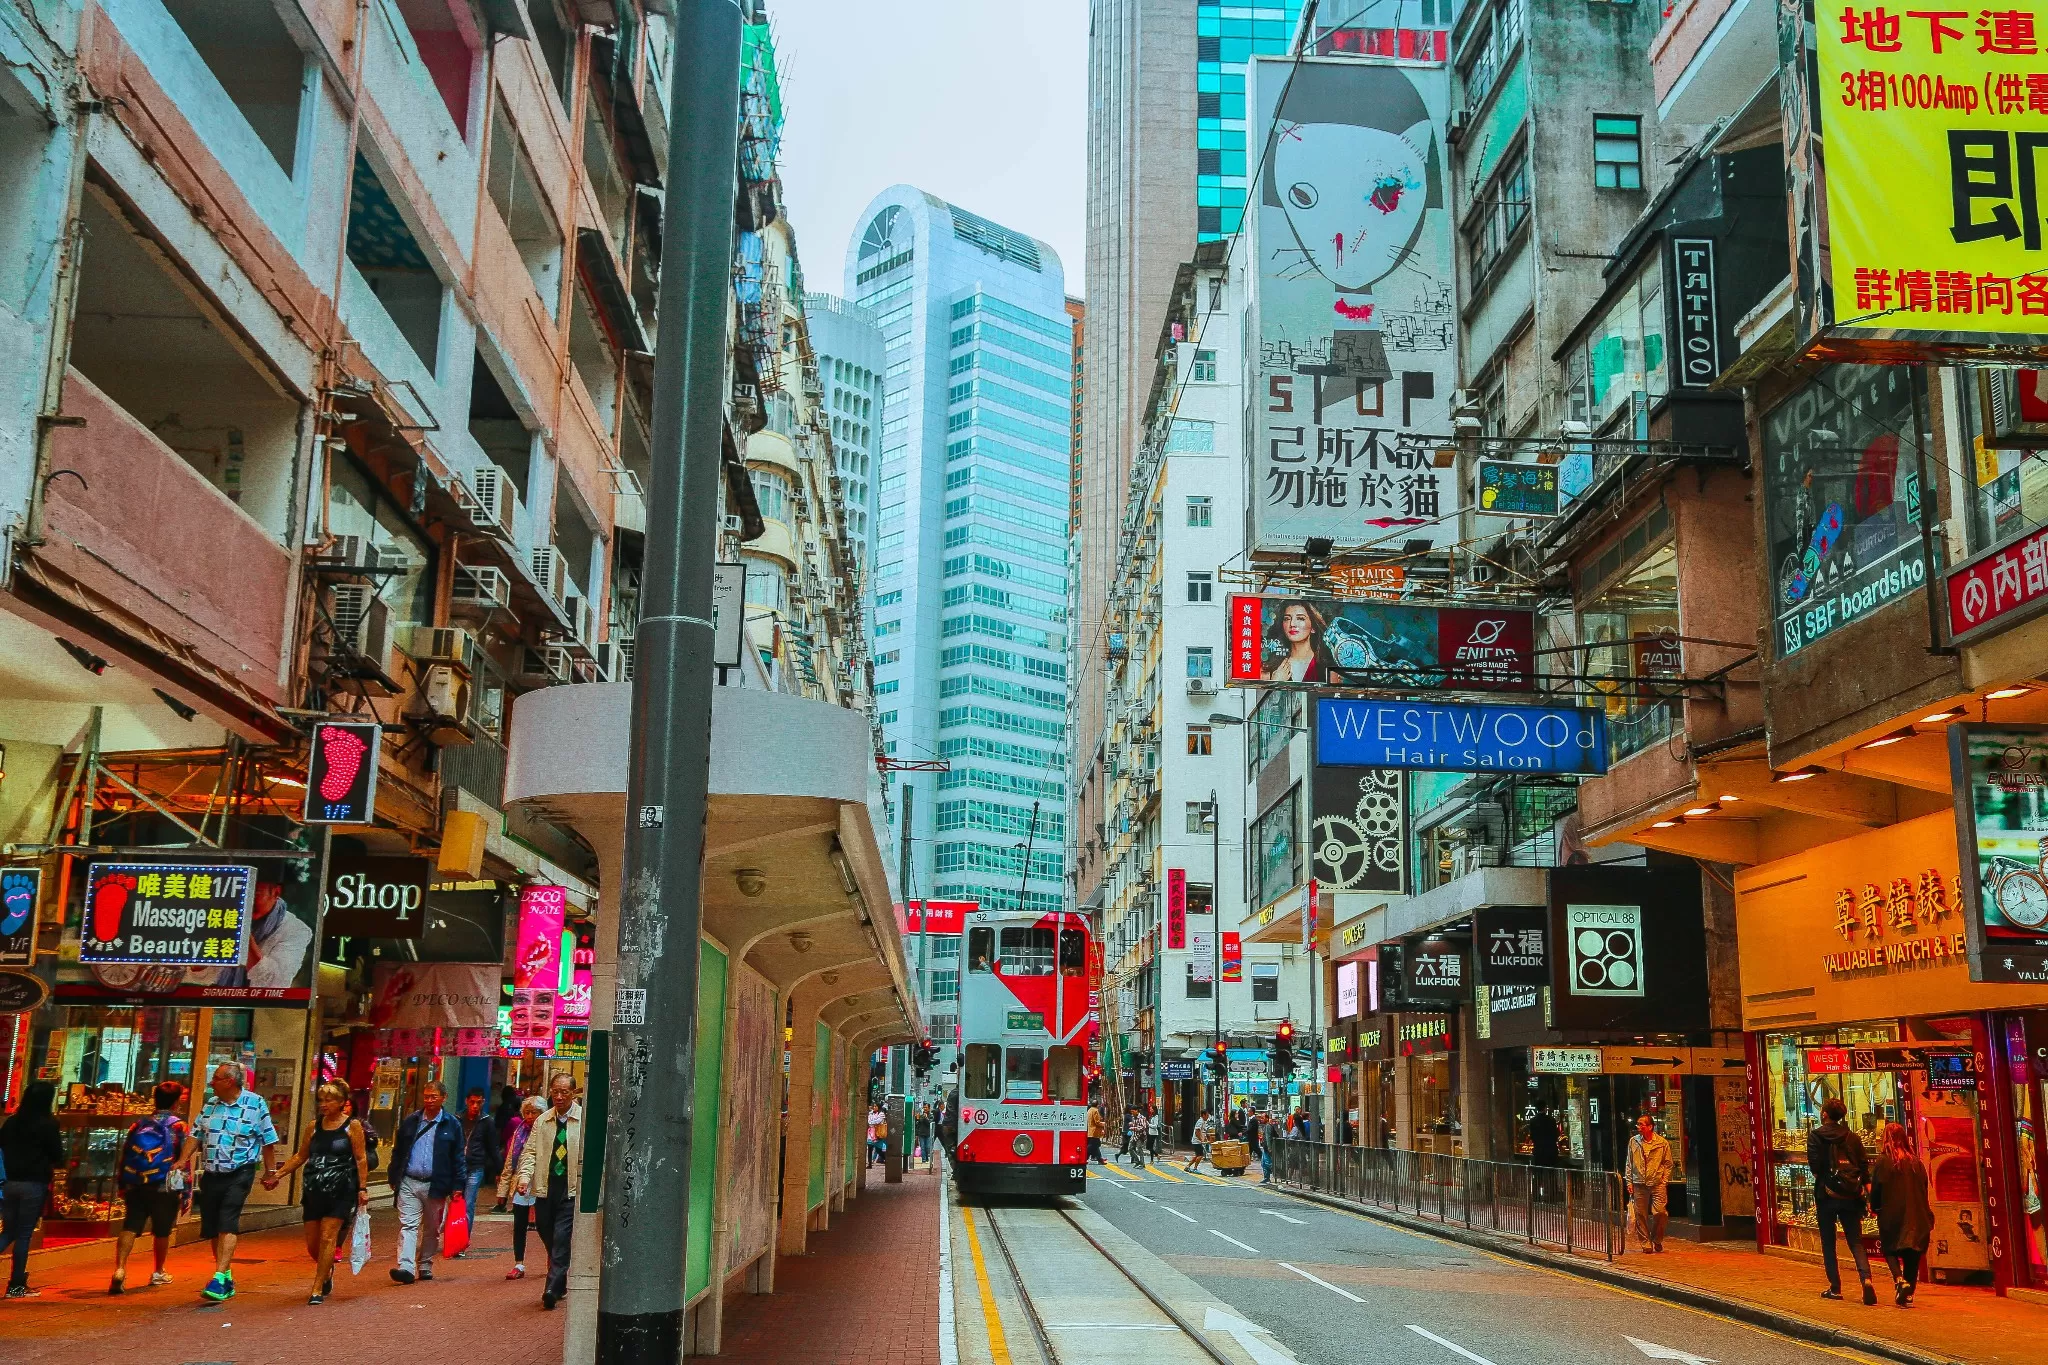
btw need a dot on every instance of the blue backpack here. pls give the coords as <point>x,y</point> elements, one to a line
<point>150,1152</point>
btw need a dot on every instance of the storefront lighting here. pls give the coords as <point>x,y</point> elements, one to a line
<point>1953,713</point>
<point>1667,824</point>
<point>1729,797</point>
<point>283,781</point>
<point>1799,774</point>
<point>1707,809</point>
<point>1893,738</point>
<point>2007,693</point>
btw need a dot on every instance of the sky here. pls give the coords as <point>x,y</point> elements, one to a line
<point>981,102</point>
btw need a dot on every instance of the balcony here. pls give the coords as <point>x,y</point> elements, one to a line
<point>1711,56</point>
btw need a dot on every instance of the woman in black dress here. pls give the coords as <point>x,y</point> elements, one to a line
<point>337,1182</point>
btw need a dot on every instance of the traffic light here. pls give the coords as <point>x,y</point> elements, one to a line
<point>1283,1050</point>
<point>1219,1063</point>
<point>921,1058</point>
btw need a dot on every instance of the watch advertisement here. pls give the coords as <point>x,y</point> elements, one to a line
<point>2001,785</point>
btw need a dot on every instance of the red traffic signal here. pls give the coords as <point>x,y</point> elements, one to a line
<point>1285,1033</point>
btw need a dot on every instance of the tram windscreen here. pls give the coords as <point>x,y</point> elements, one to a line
<point>1063,1069</point>
<point>1073,952</point>
<point>1023,1072</point>
<point>981,949</point>
<point>1027,952</point>
<point>982,1079</point>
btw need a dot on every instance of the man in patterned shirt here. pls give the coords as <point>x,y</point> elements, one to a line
<point>235,1136</point>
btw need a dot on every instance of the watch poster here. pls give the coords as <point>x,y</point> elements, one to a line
<point>2001,784</point>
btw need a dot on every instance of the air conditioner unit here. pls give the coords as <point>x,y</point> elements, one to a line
<point>734,525</point>
<point>443,645</point>
<point>350,552</point>
<point>615,659</point>
<point>581,618</point>
<point>481,587</point>
<point>551,571</point>
<point>1461,123</point>
<point>1201,687</point>
<point>1485,855</point>
<point>496,498</point>
<point>548,664</point>
<point>362,627</point>
<point>561,660</point>
<point>445,692</point>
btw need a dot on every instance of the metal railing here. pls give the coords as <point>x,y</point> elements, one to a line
<point>1578,1210</point>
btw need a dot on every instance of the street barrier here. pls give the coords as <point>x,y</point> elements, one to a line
<point>1576,1209</point>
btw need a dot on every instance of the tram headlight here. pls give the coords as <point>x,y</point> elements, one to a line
<point>1021,1144</point>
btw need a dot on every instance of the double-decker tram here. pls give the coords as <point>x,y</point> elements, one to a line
<point>1024,1038</point>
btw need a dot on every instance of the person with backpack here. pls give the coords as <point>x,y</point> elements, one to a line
<point>1841,1180</point>
<point>1905,1218</point>
<point>337,1184</point>
<point>32,1148</point>
<point>152,1187</point>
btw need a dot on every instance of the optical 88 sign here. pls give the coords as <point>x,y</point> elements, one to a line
<point>1606,949</point>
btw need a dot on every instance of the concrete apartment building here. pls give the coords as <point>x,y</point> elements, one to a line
<point>850,363</point>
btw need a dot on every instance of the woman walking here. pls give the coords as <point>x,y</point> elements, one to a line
<point>1905,1218</point>
<point>522,1204</point>
<point>31,1149</point>
<point>337,1184</point>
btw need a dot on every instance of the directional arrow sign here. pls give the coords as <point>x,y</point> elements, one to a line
<point>1656,1352</point>
<point>1252,1339</point>
<point>1275,1213</point>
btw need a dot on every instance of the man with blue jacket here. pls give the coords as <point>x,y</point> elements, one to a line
<point>427,1166</point>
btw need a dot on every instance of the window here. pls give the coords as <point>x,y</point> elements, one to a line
<point>1201,511</point>
<point>981,1068</point>
<point>889,599</point>
<point>1215,293</point>
<point>1073,952</point>
<point>1265,981</point>
<point>1201,661</point>
<point>1201,899</point>
<point>1617,152</point>
<point>1198,817</point>
<point>1275,849</point>
<point>1504,210</point>
<point>1197,990</point>
<point>1493,52</point>
<point>1026,952</point>
<point>1201,585</point>
<point>1201,741</point>
<point>1023,1072</point>
<point>981,949</point>
<point>945,986</point>
<point>1204,371</point>
<point>1063,1069</point>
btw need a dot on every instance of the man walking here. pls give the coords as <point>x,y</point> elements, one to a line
<point>552,1168</point>
<point>1155,1134</point>
<point>483,1152</point>
<point>1098,1127</point>
<point>1134,1134</point>
<point>233,1137</point>
<point>427,1167</point>
<point>1649,1175</point>
<point>878,1133</point>
<point>1841,1180</point>
<point>1205,1133</point>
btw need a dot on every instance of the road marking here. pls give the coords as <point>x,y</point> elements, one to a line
<point>1213,1180</point>
<point>1232,1240</point>
<point>1120,1175</point>
<point>1162,1174</point>
<point>1275,1213</point>
<point>1449,1345</point>
<point>1251,1338</point>
<point>1340,1293</point>
<point>998,1344</point>
<point>1176,1212</point>
<point>1656,1352</point>
<point>949,1351</point>
<point>1146,1197</point>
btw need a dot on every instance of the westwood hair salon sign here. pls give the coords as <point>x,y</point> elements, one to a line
<point>1459,739</point>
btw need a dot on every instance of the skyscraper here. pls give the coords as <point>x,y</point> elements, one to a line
<point>971,545</point>
<point>849,346</point>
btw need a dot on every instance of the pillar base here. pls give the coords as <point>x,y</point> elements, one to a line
<point>639,1338</point>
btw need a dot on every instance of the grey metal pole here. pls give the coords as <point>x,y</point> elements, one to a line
<point>653,1044</point>
<point>1221,1069</point>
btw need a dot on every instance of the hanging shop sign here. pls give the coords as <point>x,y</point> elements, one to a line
<point>1176,908</point>
<point>1350,732</point>
<point>1233,957</point>
<point>1512,943</point>
<point>1356,317</point>
<point>2000,776</point>
<point>1359,822</point>
<point>1347,990</point>
<point>1202,956</point>
<point>1421,1034</point>
<point>1379,644</point>
<point>1998,589</point>
<point>377,897</point>
<point>537,954</point>
<point>582,964</point>
<point>1605,943</point>
<point>219,933</point>
<point>21,992</point>
<point>936,917</point>
<point>1434,969</point>
<point>20,893</point>
<point>167,914</point>
<point>1507,489</point>
<point>728,614</point>
<point>1366,580</point>
<point>431,995</point>
<point>1952,1071</point>
<point>341,773</point>
<point>1699,321</point>
<point>1566,1061</point>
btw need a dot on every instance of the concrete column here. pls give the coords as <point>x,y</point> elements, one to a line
<point>1475,1094</point>
<point>579,1343</point>
<point>1404,1103</point>
<point>796,1132</point>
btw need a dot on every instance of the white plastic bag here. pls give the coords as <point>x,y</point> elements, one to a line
<point>359,1246</point>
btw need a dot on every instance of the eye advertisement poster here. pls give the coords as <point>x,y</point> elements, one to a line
<point>1353,293</point>
<point>2000,774</point>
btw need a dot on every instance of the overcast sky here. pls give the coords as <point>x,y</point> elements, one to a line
<point>981,102</point>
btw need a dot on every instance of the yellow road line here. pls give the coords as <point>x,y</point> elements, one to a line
<point>1120,1174</point>
<point>1162,1174</point>
<point>1213,1180</point>
<point>998,1344</point>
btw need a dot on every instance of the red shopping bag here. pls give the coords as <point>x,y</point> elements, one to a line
<point>455,1227</point>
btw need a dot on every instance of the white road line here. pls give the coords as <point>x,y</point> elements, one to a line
<point>949,1350</point>
<point>1177,1213</point>
<point>1232,1240</point>
<point>1449,1345</point>
<point>1275,1213</point>
<point>1312,1279</point>
<point>1111,1327</point>
<point>1146,1197</point>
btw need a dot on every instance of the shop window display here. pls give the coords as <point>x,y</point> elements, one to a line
<point>106,1062</point>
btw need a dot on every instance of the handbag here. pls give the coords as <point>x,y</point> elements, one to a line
<point>359,1245</point>
<point>455,1227</point>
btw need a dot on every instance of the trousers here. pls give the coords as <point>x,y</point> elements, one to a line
<point>1848,1215</point>
<point>21,1208</point>
<point>555,1221</point>
<point>419,1224</point>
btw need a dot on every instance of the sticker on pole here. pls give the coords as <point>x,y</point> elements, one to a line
<point>630,1008</point>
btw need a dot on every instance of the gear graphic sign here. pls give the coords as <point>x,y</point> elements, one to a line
<point>1361,829</point>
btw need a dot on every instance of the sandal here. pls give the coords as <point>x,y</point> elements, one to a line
<point>314,1301</point>
<point>1831,1293</point>
<point>114,1285</point>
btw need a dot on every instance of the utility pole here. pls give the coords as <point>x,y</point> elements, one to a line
<point>653,1043</point>
<point>1222,1068</point>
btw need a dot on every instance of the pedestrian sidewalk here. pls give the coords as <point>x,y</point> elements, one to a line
<point>1945,1325</point>
<point>268,1322</point>
<point>867,1289</point>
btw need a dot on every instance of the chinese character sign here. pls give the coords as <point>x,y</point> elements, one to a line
<point>167,914</point>
<point>1355,312</point>
<point>1176,908</point>
<point>2000,774</point>
<point>1999,588</point>
<point>1933,121</point>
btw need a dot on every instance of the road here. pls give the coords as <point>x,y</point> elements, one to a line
<point>1336,1287</point>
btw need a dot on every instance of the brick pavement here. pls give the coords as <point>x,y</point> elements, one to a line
<point>867,1290</point>
<point>268,1322</point>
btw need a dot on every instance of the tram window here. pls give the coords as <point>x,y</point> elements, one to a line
<point>981,949</point>
<point>1027,952</point>
<point>980,1081</point>
<point>1064,1070</point>
<point>1023,1071</point>
<point>1073,952</point>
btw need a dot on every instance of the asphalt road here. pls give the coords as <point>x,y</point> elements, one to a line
<point>1337,1288</point>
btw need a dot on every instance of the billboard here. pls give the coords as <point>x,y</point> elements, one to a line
<point>1359,829</point>
<point>1513,945</point>
<point>1447,738</point>
<point>1353,296</point>
<point>1351,643</point>
<point>935,917</point>
<point>167,931</point>
<point>2000,774</point>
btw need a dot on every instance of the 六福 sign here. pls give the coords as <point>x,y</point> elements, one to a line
<point>1512,943</point>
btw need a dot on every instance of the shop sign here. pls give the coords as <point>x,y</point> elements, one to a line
<point>1347,990</point>
<point>1647,1060</point>
<point>1513,943</point>
<point>1999,588</point>
<point>1952,1071</point>
<point>341,773</point>
<point>478,1042</point>
<point>1435,969</point>
<point>1359,829</point>
<point>1353,934</point>
<point>728,614</point>
<point>167,914</point>
<point>21,992</point>
<point>20,892</point>
<point>377,897</point>
<point>429,995</point>
<point>537,958</point>
<point>936,917</point>
<point>1372,1040</point>
<point>1459,739</point>
<point>571,1044</point>
<point>1566,1061</point>
<point>1827,1061</point>
<point>1176,908</point>
<point>1329,640</point>
<point>534,1010</point>
<point>1420,1034</point>
<point>1366,580</point>
<point>1233,957</point>
<point>1202,956</point>
<point>1606,949</point>
<point>575,998</point>
<point>2000,775</point>
<point>1699,326</point>
<point>1507,489</point>
<point>1178,1070</point>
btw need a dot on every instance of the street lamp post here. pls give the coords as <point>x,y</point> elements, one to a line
<point>1221,1074</point>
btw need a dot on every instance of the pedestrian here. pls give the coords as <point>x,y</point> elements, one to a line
<point>1205,1133</point>
<point>31,1149</point>
<point>1543,1138</point>
<point>427,1168</point>
<point>482,1152</point>
<point>1649,1177</point>
<point>922,1132</point>
<point>232,1139</point>
<point>337,1186</point>
<point>551,1169</point>
<point>1098,1128</point>
<point>522,1204</point>
<point>1905,1218</point>
<point>1155,1133</point>
<point>152,1188</point>
<point>878,1133</point>
<point>1134,1134</point>
<point>1841,1181</point>
<point>1262,1139</point>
